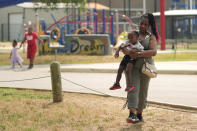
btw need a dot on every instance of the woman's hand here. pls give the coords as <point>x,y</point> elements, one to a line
<point>116,55</point>
<point>125,51</point>
<point>132,53</point>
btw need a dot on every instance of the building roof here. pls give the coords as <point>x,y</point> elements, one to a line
<point>42,5</point>
<point>61,5</point>
<point>178,13</point>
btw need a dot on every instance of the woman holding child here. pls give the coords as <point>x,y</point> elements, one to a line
<point>137,98</point>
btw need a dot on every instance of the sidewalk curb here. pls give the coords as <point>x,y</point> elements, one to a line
<point>193,109</point>
<point>93,70</point>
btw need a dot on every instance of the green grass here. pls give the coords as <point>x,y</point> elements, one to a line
<point>29,110</point>
<point>14,94</point>
<point>82,59</point>
<point>176,57</point>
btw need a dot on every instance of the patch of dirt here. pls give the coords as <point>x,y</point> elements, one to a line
<point>87,112</point>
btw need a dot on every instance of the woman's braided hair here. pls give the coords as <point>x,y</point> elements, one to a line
<point>151,20</point>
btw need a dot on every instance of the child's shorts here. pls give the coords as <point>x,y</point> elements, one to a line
<point>127,59</point>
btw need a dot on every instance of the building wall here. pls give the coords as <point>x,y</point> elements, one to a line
<point>4,20</point>
<point>4,13</point>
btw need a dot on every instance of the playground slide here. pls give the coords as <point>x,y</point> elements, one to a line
<point>121,38</point>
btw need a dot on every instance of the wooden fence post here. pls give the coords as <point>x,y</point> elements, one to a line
<point>56,82</point>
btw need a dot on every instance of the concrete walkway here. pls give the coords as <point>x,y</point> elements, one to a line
<point>177,67</point>
<point>166,88</point>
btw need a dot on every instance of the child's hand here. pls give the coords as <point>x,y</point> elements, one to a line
<point>122,45</point>
<point>116,55</point>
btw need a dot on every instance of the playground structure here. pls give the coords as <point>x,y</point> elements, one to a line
<point>90,26</point>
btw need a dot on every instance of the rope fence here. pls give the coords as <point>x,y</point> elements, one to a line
<point>85,87</point>
<point>36,78</point>
<point>26,79</point>
<point>160,106</point>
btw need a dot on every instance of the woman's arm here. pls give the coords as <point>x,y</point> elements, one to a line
<point>22,42</point>
<point>152,51</point>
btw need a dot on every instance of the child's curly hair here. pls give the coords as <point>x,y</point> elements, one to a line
<point>135,32</point>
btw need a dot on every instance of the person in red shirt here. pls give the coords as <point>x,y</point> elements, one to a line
<point>31,38</point>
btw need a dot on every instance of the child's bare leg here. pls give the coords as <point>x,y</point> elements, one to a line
<point>119,74</point>
<point>19,64</point>
<point>118,77</point>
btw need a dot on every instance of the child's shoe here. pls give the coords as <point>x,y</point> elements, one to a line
<point>130,88</point>
<point>12,67</point>
<point>21,66</point>
<point>115,86</point>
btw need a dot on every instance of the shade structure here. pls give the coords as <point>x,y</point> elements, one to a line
<point>192,12</point>
<point>5,3</point>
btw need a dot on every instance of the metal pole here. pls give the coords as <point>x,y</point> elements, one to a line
<point>129,7</point>
<point>67,11</point>
<point>23,27</point>
<point>186,4</point>
<point>95,21</point>
<point>117,24</point>
<point>125,27</point>
<point>36,22</point>
<point>190,4</point>
<point>191,22</point>
<point>104,21</point>
<point>2,39</point>
<point>144,6</point>
<point>162,25</point>
<point>8,26</point>
<point>88,19</point>
<point>112,29</point>
<point>95,3</point>
<point>56,82</point>
<point>79,18</point>
<point>109,7</point>
<point>124,5</point>
<point>155,5</point>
